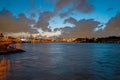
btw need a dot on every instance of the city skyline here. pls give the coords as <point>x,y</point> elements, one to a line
<point>62,18</point>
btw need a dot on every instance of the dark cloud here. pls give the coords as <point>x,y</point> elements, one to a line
<point>9,23</point>
<point>86,28</point>
<point>43,21</point>
<point>23,18</point>
<point>71,20</point>
<point>84,6</point>
<point>78,5</point>
<point>62,15</point>
<point>63,3</point>
<point>113,26</point>
<point>6,13</point>
<point>83,28</point>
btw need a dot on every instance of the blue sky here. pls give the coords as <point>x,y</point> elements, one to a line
<point>99,10</point>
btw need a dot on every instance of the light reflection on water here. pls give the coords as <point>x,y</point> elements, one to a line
<point>63,61</point>
<point>4,68</point>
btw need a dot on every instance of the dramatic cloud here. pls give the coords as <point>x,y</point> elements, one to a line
<point>43,21</point>
<point>113,26</point>
<point>45,17</point>
<point>83,28</point>
<point>9,23</point>
<point>78,5</point>
<point>86,28</point>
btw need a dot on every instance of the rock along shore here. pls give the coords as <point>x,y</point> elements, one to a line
<point>5,48</point>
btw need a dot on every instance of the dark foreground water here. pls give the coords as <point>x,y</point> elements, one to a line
<point>62,61</point>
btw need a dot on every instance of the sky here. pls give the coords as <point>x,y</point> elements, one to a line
<point>62,18</point>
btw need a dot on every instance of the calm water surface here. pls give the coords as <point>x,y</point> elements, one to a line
<point>62,61</point>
